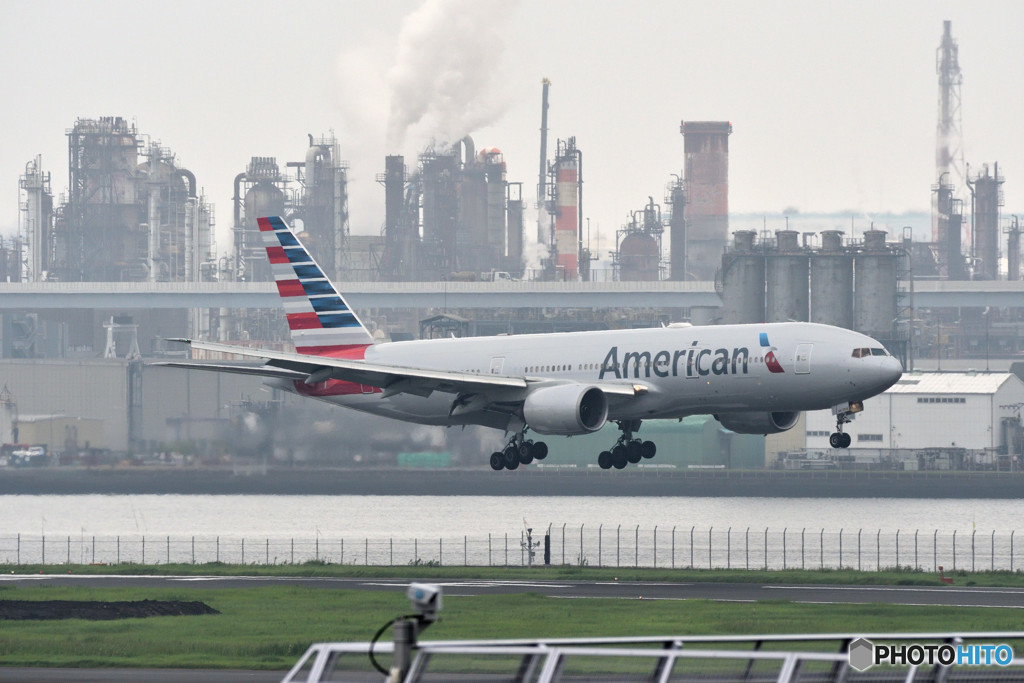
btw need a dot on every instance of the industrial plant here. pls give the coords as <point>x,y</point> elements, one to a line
<point>467,246</point>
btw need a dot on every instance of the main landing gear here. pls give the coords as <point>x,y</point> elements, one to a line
<point>518,451</point>
<point>839,438</point>
<point>627,449</point>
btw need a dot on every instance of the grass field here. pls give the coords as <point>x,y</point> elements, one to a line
<point>270,626</point>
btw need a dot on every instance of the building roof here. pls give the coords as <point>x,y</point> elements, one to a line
<point>951,382</point>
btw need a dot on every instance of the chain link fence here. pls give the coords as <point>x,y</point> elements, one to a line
<point>579,545</point>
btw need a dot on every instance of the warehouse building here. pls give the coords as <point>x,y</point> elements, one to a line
<point>931,420</point>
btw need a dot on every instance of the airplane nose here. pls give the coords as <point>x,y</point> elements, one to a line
<point>890,371</point>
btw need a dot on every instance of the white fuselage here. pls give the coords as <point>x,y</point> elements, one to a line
<point>685,370</point>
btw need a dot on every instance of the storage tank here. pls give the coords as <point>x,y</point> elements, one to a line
<point>787,271</point>
<point>874,294</point>
<point>741,280</point>
<point>832,282</point>
<point>638,258</point>
<point>263,199</point>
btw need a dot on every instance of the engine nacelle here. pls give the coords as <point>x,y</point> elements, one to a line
<point>758,423</point>
<point>566,409</point>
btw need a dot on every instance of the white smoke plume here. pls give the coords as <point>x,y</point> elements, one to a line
<point>443,81</point>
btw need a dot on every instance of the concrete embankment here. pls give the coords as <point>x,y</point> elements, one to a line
<point>528,481</point>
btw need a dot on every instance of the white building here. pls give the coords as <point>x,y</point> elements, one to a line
<point>976,412</point>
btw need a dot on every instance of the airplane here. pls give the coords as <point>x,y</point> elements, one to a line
<point>753,378</point>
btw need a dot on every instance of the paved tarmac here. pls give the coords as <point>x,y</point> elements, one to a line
<point>959,596</point>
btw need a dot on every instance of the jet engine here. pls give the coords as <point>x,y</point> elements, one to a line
<point>758,423</point>
<point>566,409</point>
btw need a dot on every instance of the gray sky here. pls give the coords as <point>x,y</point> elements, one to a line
<point>833,105</point>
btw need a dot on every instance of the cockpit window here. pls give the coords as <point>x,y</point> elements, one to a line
<point>878,352</point>
<point>860,353</point>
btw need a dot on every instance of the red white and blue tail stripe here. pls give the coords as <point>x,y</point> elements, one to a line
<point>321,322</point>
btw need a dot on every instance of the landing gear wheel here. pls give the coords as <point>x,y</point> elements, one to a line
<point>604,460</point>
<point>648,449</point>
<point>618,457</point>
<point>634,451</point>
<point>525,452</point>
<point>847,440</point>
<point>497,461</point>
<point>539,450</point>
<point>511,457</point>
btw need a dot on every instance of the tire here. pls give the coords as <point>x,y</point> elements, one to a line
<point>847,440</point>
<point>649,449</point>
<point>524,452</point>
<point>539,450</point>
<point>836,440</point>
<point>497,461</point>
<point>511,457</point>
<point>619,457</point>
<point>604,460</point>
<point>634,451</point>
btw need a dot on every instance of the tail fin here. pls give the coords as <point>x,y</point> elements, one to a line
<point>321,322</point>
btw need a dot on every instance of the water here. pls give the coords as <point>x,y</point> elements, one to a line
<point>485,530</point>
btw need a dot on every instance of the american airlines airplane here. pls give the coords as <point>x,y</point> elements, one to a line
<point>755,379</point>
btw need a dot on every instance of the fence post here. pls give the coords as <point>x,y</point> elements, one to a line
<point>784,529</point>
<point>821,549</point>
<point>465,551</point>
<point>391,551</point>
<point>488,549</point>
<point>599,531</point>
<point>636,547</point>
<point>168,550</point>
<point>766,548</point>
<point>802,565</point>
<point>935,551</point>
<point>218,549</point>
<point>728,548</point>
<point>840,547</point>
<point>992,549</point>
<point>506,548</point>
<point>581,544</point>
<point>416,550</point>
<point>673,547</point>
<point>954,549</point>
<point>1011,548</point>
<point>366,552</point>
<point>916,565</point>
<point>94,550</point>
<point>118,549</point>
<point>973,533</point>
<point>897,550</point>
<point>293,551</point>
<point>747,551</point>
<point>243,550</point>
<point>878,551</point>
<point>618,545</point>
<point>266,558</point>
<point>69,550</point>
<point>193,550</point>
<point>43,545</point>
<point>691,546</point>
<point>440,551</point>
<point>563,542</point>
<point>19,549</point>
<point>710,529</point>
<point>858,549</point>
<point>342,550</point>
<point>143,549</point>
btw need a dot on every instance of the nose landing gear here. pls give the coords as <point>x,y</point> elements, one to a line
<point>844,415</point>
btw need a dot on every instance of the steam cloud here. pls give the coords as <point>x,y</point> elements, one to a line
<point>443,79</point>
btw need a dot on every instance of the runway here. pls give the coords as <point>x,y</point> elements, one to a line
<point>951,596</point>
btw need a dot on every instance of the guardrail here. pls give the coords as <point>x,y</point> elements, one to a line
<point>754,658</point>
<point>599,546</point>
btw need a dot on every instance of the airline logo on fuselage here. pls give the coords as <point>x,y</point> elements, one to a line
<point>692,361</point>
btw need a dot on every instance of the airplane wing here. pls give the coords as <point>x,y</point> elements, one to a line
<point>392,379</point>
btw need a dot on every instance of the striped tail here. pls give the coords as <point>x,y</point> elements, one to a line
<point>321,323</point>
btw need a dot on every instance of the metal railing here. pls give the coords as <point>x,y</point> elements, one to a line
<point>602,545</point>
<point>782,658</point>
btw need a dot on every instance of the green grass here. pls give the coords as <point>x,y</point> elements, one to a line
<point>270,626</point>
<point>892,576</point>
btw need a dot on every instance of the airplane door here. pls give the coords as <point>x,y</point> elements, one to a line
<point>497,364</point>
<point>803,359</point>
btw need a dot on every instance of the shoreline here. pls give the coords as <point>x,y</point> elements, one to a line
<point>532,481</point>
